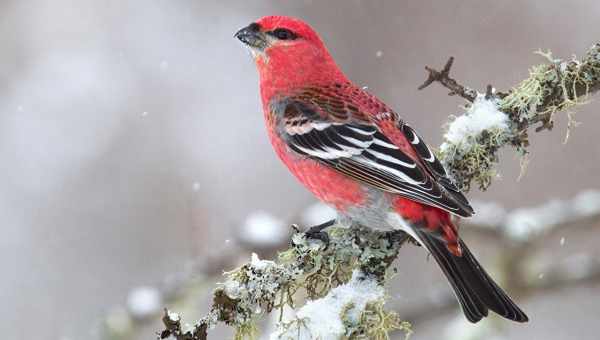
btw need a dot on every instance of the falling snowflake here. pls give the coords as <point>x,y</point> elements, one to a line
<point>164,65</point>
<point>196,186</point>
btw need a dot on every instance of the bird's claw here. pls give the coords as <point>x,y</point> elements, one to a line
<point>317,233</point>
<point>400,237</point>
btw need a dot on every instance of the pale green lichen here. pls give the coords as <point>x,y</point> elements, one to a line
<point>558,86</point>
<point>246,331</point>
<point>352,311</point>
<point>525,99</point>
<point>252,290</point>
<point>554,87</point>
<point>478,158</point>
<point>311,266</point>
<point>376,323</point>
<point>324,267</point>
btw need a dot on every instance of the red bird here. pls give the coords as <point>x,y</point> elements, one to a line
<point>357,155</point>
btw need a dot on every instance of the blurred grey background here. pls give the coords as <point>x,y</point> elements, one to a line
<point>132,141</point>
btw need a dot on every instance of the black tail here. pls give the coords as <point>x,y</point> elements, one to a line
<point>474,288</point>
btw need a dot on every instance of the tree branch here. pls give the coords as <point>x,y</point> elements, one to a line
<point>471,154</point>
<point>443,77</point>
<point>309,265</point>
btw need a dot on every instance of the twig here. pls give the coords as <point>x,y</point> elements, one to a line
<point>558,86</point>
<point>443,77</point>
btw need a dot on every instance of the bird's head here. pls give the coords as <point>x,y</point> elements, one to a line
<point>288,52</point>
<point>278,36</point>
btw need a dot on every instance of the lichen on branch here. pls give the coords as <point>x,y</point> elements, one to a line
<point>556,86</point>
<point>308,268</point>
<point>353,310</point>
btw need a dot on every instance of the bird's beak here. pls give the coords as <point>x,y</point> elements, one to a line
<point>252,37</point>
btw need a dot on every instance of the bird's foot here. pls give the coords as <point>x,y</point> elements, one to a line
<point>400,237</point>
<point>317,233</point>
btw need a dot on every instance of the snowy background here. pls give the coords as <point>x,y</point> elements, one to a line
<point>131,142</point>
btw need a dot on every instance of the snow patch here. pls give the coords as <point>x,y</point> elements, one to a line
<point>233,289</point>
<point>259,264</point>
<point>482,115</point>
<point>324,318</point>
<point>173,317</point>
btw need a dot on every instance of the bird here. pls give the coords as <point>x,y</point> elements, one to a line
<point>357,155</point>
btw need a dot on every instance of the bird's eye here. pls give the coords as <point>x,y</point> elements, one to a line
<point>284,34</point>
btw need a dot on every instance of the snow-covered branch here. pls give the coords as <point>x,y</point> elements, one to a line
<point>310,268</point>
<point>343,279</point>
<point>496,119</point>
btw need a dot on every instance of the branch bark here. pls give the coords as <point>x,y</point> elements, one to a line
<point>443,77</point>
